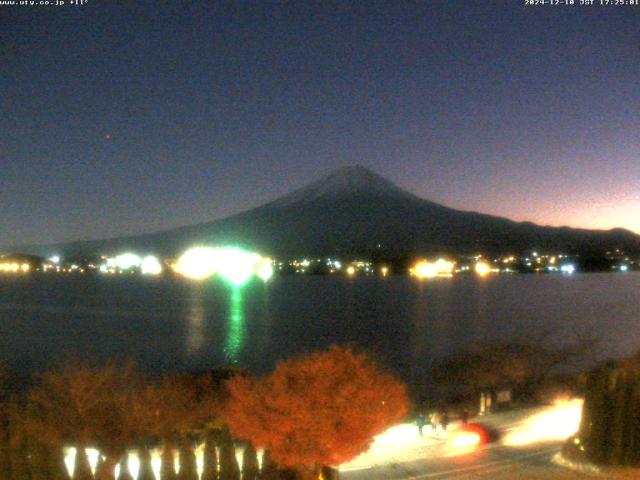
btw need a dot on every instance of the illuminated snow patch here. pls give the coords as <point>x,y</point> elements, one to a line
<point>400,435</point>
<point>397,444</point>
<point>553,424</point>
<point>465,440</point>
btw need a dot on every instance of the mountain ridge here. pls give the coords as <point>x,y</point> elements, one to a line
<point>355,211</point>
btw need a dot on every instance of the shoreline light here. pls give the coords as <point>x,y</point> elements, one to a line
<point>235,265</point>
<point>425,269</point>
<point>126,261</point>
<point>14,267</point>
<point>150,265</point>
<point>197,263</point>
<point>265,269</point>
<point>482,268</point>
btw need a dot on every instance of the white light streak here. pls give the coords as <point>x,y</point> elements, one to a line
<point>555,423</point>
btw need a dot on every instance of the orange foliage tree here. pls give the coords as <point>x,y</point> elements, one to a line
<point>320,409</point>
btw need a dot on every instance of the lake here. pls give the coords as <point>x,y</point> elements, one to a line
<point>171,324</point>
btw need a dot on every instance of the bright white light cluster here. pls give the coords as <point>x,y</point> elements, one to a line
<point>149,265</point>
<point>465,440</point>
<point>555,423</point>
<point>127,261</point>
<point>235,265</point>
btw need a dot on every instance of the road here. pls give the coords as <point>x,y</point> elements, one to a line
<point>485,462</point>
<point>524,451</point>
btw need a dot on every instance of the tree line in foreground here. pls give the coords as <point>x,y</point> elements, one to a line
<point>310,413</point>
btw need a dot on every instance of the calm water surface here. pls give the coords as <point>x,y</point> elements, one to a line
<point>168,324</point>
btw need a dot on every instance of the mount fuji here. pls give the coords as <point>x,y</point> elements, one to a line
<point>354,211</point>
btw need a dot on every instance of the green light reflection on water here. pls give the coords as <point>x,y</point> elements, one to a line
<point>236,330</point>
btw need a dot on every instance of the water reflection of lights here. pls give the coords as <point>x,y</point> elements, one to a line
<point>196,324</point>
<point>554,423</point>
<point>235,333</point>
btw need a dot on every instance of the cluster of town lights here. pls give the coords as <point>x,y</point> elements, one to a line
<point>148,265</point>
<point>424,269</point>
<point>235,265</point>
<point>14,267</point>
<point>439,268</point>
<point>445,268</point>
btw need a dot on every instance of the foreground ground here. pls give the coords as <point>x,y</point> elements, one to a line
<point>528,441</point>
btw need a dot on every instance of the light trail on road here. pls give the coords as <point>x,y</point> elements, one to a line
<point>527,443</point>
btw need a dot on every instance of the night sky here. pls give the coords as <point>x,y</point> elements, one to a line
<point>127,117</point>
